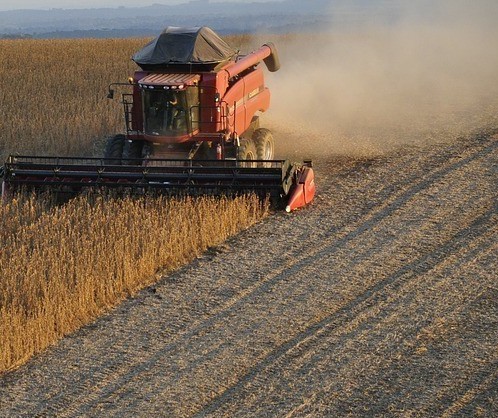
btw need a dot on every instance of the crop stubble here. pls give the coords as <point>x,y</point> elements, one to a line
<point>379,299</point>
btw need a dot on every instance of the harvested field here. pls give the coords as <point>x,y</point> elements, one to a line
<point>379,299</point>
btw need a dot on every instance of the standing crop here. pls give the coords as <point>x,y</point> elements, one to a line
<point>62,266</point>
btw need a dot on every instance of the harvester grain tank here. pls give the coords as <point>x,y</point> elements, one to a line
<point>191,125</point>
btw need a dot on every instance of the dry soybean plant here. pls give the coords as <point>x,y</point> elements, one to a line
<point>53,94</point>
<point>62,266</point>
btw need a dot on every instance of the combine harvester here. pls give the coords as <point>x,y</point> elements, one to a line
<point>191,128</point>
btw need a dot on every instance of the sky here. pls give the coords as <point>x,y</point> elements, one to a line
<point>84,4</point>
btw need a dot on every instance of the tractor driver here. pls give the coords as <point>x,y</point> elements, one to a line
<point>171,109</point>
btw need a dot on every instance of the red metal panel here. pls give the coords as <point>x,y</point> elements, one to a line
<point>210,110</point>
<point>303,190</point>
<point>236,107</point>
<point>164,139</point>
<point>257,96</point>
<point>246,97</point>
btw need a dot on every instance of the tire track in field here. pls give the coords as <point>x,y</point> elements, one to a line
<point>488,383</point>
<point>484,390</point>
<point>262,287</point>
<point>377,294</point>
<point>318,351</point>
<point>427,401</point>
<point>482,383</point>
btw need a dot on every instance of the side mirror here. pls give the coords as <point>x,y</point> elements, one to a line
<point>110,95</point>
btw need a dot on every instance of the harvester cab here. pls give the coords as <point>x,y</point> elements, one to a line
<point>169,106</point>
<point>191,125</point>
<point>169,112</point>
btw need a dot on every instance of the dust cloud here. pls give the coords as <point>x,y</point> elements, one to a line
<point>395,74</point>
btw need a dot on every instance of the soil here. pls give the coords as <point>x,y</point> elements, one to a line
<point>380,299</point>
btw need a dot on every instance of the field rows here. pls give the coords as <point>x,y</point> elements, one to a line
<point>379,299</point>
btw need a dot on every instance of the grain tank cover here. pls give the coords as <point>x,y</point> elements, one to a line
<point>198,45</point>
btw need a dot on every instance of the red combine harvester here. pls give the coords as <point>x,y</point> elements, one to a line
<point>191,127</point>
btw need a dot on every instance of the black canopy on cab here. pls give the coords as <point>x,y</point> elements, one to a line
<point>198,45</point>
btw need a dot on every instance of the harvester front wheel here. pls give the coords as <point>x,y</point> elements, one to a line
<point>265,145</point>
<point>247,151</point>
<point>114,149</point>
<point>133,150</point>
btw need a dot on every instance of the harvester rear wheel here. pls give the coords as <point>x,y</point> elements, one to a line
<point>247,151</point>
<point>114,149</point>
<point>265,145</point>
